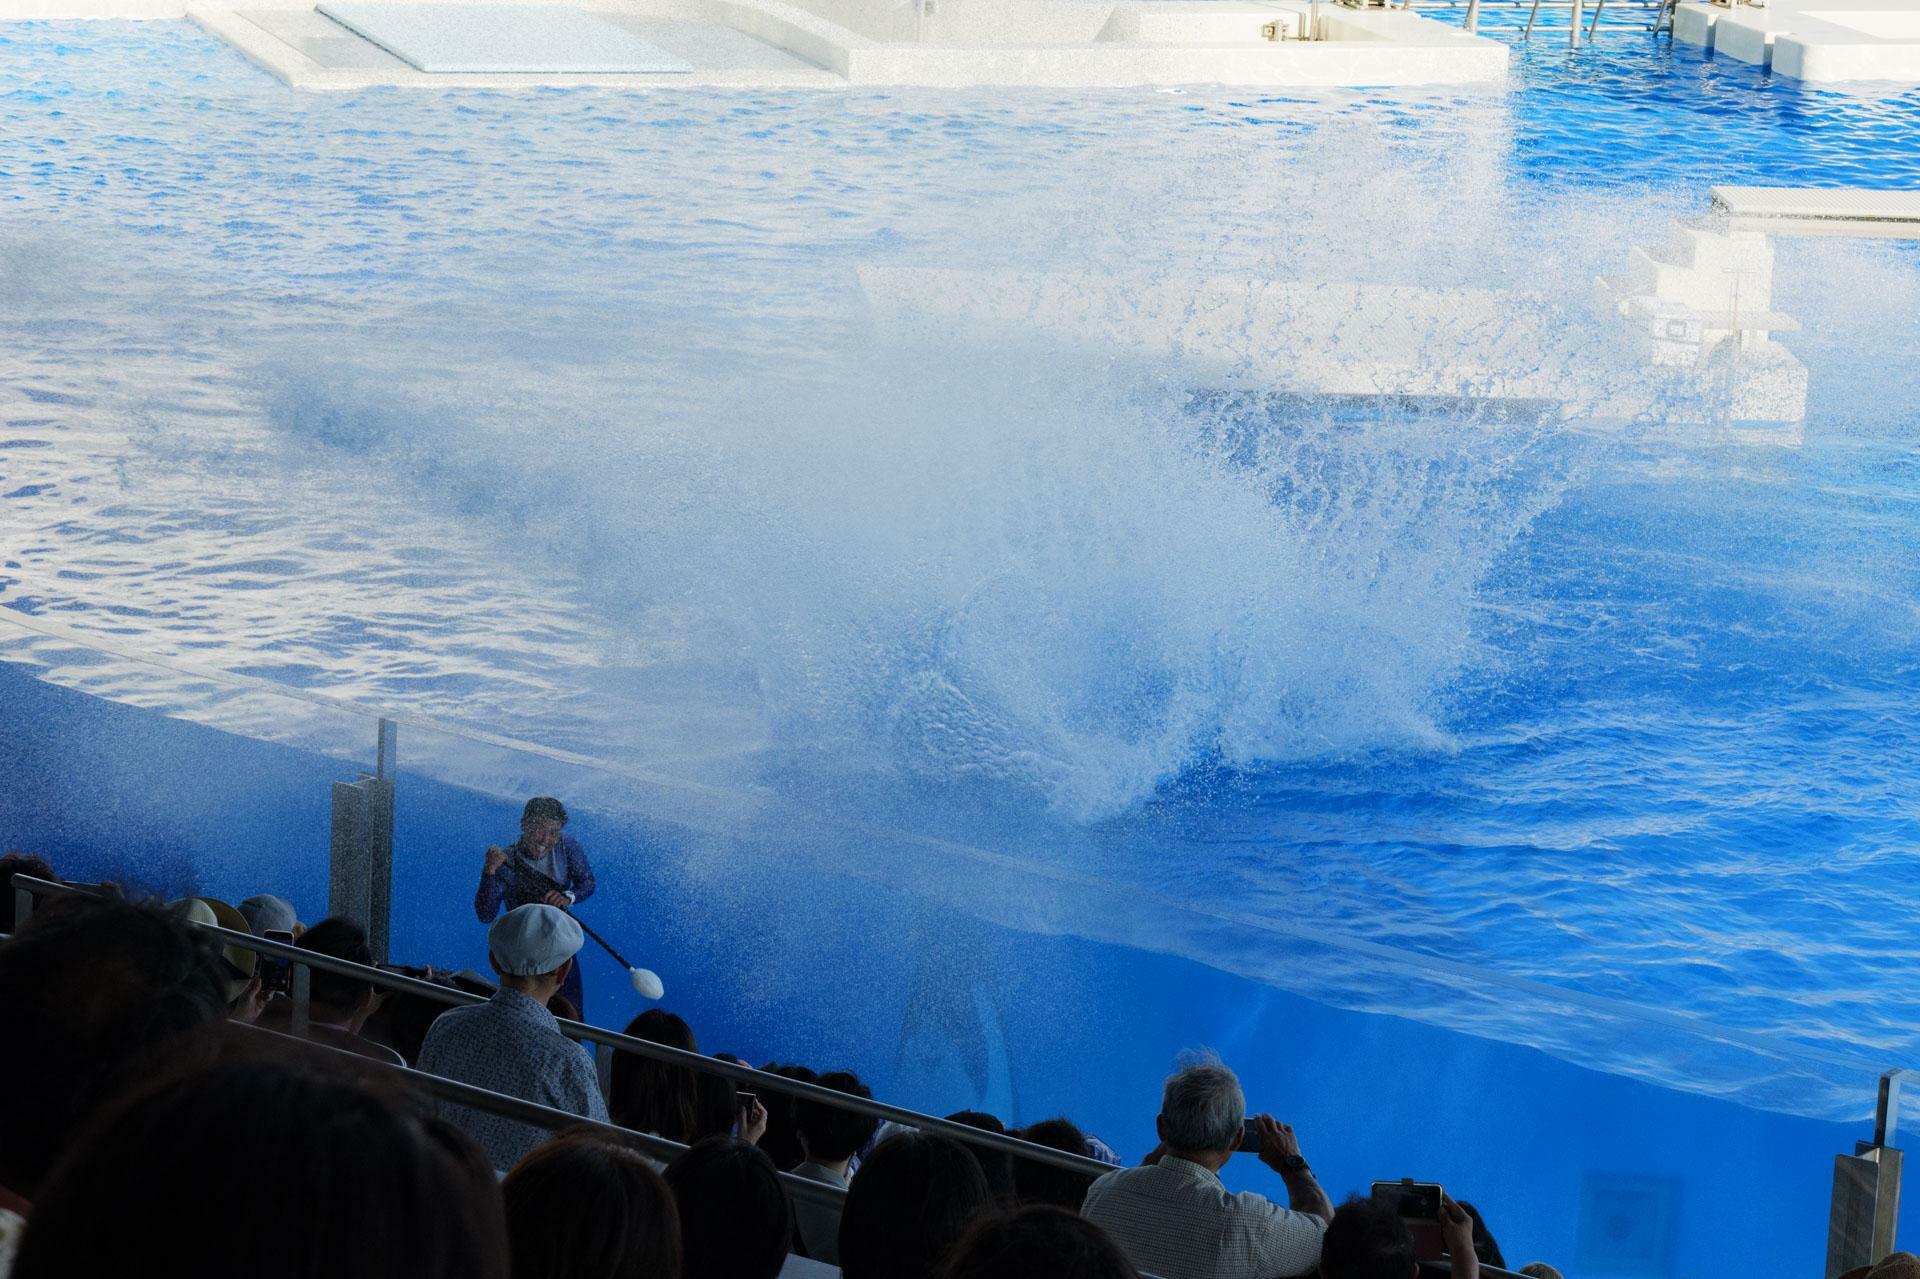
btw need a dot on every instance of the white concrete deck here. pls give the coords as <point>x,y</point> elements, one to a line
<point>1493,353</point>
<point>942,43</point>
<point>1892,215</point>
<point>1817,40</point>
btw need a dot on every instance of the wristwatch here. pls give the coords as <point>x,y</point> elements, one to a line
<point>1292,1163</point>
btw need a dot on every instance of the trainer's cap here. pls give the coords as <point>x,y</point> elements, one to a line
<point>269,914</point>
<point>529,941</point>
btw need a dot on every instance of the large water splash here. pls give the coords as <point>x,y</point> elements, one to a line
<point>1074,576</point>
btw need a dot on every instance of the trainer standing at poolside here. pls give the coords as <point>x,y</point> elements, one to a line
<point>543,866</point>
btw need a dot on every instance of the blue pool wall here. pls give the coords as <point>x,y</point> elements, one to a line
<point>1599,1174</point>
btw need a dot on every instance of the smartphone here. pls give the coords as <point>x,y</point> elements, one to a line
<point>1418,1204</point>
<point>1250,1139</point>
<point>1412,1200</point>
<point>746,1101</point>
<point>276,974</point>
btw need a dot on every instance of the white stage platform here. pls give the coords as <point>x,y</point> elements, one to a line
<point>827,43</point>
<point>501,37</point>
<point>1885,215</point>
<point>1818,40</point>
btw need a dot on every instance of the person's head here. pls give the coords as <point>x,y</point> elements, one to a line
<point>541,822</point>
<point>243,986</point>
<point>735,1221</point>
<point>1041,1242</point>
<point>335,997</point>
<point>996,1164</point>
<point>833,1136</point>
<point>656,1096</point>
<point>17,863</point>
<point>266,913</point>
<point>581,1207</point>
<point>96,988</point>
<point>781,1140</point>
<point>716,1106</point>
<point>251,1167</point>
<point>1367,1240</point>
<point>912,1199</point>
<point>1038,1183</point>
<point>1202,1113</point>
<point>532,947</point>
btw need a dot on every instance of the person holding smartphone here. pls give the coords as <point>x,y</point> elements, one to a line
<point>1173,1217</point>
<point>545,866</point>
<point>1372,1238</point>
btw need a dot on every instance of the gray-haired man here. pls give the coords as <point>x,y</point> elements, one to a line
<point>1173,1218</point>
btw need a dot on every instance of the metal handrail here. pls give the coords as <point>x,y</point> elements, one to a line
<point>26,887</point>
<point>536,1115</point>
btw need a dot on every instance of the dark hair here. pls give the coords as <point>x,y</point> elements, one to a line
<point>404,1018</point>
<point>90,991</point>
<point>1366,1240</point>
<point>735,1221</point>
<point>716,1107</point>
<point>17,863</point>
<point>562,1007</point>
<point>1484,1246</point>
<point>781,1140</point>
<point>830,1134</point>
<point>655,1096</point>
<point>252,1167</point>
<point>912,1199</point>
<point>1038,1183</point>
<point>1041,1242</point>
<point>584,1208</point>
<point>544,808</point>
<point>338,938</point>
<point>997,1164</point>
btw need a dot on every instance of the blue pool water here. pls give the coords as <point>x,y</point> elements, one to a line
<point>562,415</point>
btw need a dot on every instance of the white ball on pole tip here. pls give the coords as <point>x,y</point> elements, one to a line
<point>647,984</point>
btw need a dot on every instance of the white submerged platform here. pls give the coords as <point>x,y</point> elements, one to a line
<point>1816,40</point>
<point>1842,211</point>
<point>827,43</point>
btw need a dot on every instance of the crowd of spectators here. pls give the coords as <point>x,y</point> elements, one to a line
<point>138,1094</point>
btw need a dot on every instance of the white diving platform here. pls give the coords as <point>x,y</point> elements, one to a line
<point>502,37</point>
<point>1821,211</point>
<point>1824,41</point>
<point>1686,339</point>
<point>349,45</point>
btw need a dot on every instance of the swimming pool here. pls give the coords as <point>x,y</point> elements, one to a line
<point>561,414</point>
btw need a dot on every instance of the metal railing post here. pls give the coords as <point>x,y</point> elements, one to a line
<point>360,872</point>
<point>1866,1189</point>
<point>603,1067</point>
<point>1886,1114</point>
<point>302,992</point>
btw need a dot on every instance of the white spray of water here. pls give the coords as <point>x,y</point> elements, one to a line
<point>1030,566</point>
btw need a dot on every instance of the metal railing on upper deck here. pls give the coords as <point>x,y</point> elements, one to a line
<point>1655,15</point>
<point>833,1198</point>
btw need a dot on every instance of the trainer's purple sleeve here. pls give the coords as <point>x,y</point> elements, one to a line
<point>487,901</point>
<point>579,874</point>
